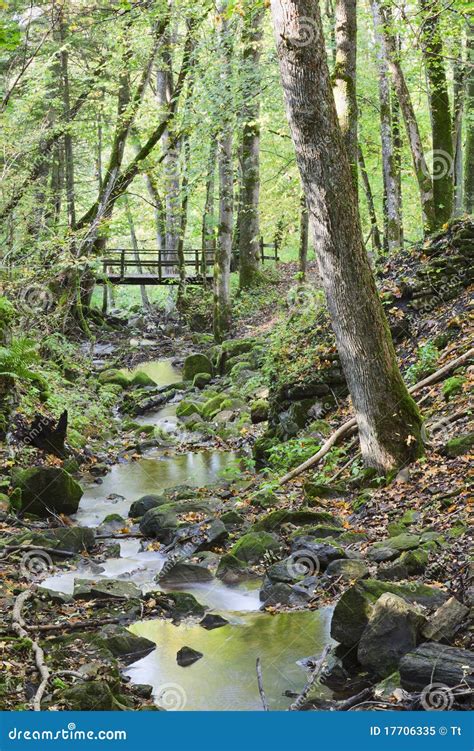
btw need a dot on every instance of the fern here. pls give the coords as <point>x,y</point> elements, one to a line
<point>16,359</point>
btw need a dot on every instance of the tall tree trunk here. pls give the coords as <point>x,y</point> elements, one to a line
<point>304,238</point>
<point>458,110</point>
<point>388,419</point>
<point>469,148</point>
<point>222,303</point>
<point>68,147</point>
<point>440,109</point>
<point>397,156</point>
<point>136,252</point>
<point>422,172</point>
<point>375,234</point>
<point>392,208</point>
<point>208,238</point>
<point>344,77</point>
<point>249,224</point>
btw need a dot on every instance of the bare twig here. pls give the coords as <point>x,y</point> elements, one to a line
<point>260,685</point>
<point>300,700</point>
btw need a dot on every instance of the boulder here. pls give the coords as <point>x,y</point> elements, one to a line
<point>105,589</point>
<point>347,569</point>
<point>313,490</point>
<point>232,519</point>
<point>458,446</point>
<point>446,621</point>
<point>125,645</point>
<point>252,546</point>
<point>47,489</point>
<point>212,621</point>
<point>145,503</point>
<point>201,380</point>
<point>76,539</point>
<point>142,380</point>
<point>194,364</point>
<point>259,411</point>
<point>90,695</point>
<point>187,656</point>
<point>184,572</point>
<point>432,663</point>
<point>282,594</point>
<point>275,519</point>
<point>184,605</point>
<point>188,408</point>
<point>410,563</point>
<point>230,569</point>
<point>391,632</point>
<point>115,377</point>
<point>353,610</point>
<point>162,522</point>
<point>319,553</point>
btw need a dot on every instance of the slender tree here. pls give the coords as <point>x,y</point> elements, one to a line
<point>249,225</point>
<point>374,228</point>
<point>440,110</point>
<point>469,149</point>
<point>222,302</point>
<point>388,419</point>
<point>392,207</point>
<point>344,77</point>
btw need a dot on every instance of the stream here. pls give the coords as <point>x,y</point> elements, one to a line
<point>225,678</point>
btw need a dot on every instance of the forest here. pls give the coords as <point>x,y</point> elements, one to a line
<point>236,360</point>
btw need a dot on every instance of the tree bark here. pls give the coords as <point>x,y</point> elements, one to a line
<point>249,224</point>
<point>68,146</point>
<point>458,111</point>
<point>208,239</point>
<point>469,148</point>
<point>344,77</point>
<point>388,419</point>
<point>304,238</point>
<point>376,242</point>
<point>440,109</point>
<point>422,172</point>
<point>392,208</point>
<point>222,303</point>
<point>136,253</point>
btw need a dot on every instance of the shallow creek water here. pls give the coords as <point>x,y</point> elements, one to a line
<point>225,677</point>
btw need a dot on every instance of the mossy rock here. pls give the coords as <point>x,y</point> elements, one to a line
<point>145,503</point>
<point>187,409</point>
<point>232,519</point>
<point>312,489</point>
<point>201,380</point>
<point>453,386</point>
<point>194,364</point>
<point>230,568</point>
<point>259,411</point>
<point>213,406</point>
<point>319,531</point>
<point>458,446</point>
<point>126,646</point>
<point>275,519</point>
<point>47,489</point>
<point>91,695</point>
<point>252,546</point>
<point>114,377</point>
<point>353,610</point>
<point>142,380</point>
<point>404,541</point>
<point>185,604</point>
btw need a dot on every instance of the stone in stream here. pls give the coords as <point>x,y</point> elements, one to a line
<point>353,610</point>
<point>145,503</point>
<point>251,547</point>
<point>184,572</point>
<point>212,621</point>
<point>391,632</point>
<point>46,490</point>
<point>280,593</point>
<point>194,364</point>
<point>113,589</point>
<point>187,656</point>
<point>126,646</point>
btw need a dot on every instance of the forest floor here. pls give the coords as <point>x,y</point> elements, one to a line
<point>410,529</point>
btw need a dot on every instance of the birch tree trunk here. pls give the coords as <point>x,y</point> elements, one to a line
<point>392,208</point>
<point>208,239</point>
<point>440,109</point>
<point>422,172</point>
<point>388,419</point>
<point>344,77</point>
<point>222,303</point>
<point>249,225</point>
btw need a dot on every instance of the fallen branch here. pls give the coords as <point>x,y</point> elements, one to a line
<point>18,626</point>
<point>300,700</point>
<point>351,425</point>
<point>76,626</point>
<point>260,685</point>
<point>51,551</point>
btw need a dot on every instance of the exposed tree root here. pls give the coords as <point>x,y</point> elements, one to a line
<point>18,626</point>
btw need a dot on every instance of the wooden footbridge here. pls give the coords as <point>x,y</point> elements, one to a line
<point>146,266</point>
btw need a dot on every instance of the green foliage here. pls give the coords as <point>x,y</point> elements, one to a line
<point>283,456</point>
<point>15,359</point>
<point>9,35</point>
<point>427,357</point>
<point>453,386</point>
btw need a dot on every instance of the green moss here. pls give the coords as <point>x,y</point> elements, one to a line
<point>252,546</point>
<point>115,377</point>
